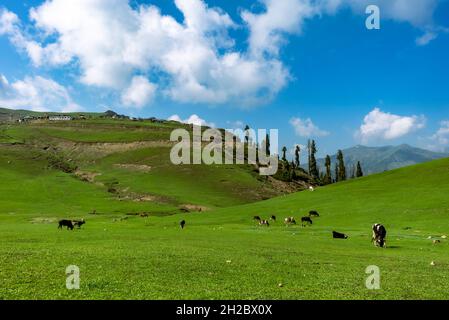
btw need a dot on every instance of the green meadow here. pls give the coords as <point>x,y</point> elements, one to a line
<point>123,170</point>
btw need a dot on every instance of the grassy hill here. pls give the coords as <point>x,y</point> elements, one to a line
<point>221,253</point>
<point>128,161</point>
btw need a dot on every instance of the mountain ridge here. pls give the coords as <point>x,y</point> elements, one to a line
<point>384,158</point>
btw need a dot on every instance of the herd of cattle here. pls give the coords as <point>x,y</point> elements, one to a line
<point>378,237</point>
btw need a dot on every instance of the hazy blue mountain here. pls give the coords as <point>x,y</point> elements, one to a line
<point>379,159</point>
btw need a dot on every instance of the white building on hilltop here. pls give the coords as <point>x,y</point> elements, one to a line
<point>60,118</point>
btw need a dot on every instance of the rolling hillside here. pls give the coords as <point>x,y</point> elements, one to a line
<point>223,254</point>
<point>127,161</point>
<point>380,159</point>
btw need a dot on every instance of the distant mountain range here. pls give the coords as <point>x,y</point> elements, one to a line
<point>379,159</point>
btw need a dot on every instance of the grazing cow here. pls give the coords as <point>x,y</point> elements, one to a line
<point>289,221</point>
<point>264,223</point>
<point>436,241</point>
<point>379,235</point>
<point>314,213</point>
<point>78,223</point>
<point>311,188</point>
<point>65,223</point>
<point>182,224</point>
<point>256,218</point>
<point>305,220</point>
<point>338,235</point>
<point>273,218</point>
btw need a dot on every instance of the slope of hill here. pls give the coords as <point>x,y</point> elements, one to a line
<point>129,161</point>
<point>223,254</point>
<point>379,159</point>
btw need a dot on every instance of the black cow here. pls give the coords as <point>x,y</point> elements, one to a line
<point>379,235</point>
<point>78,223</point>
<point>338,235</point>
<point>305,220</point>
<point>273,218</point>
<point>314,213</point>
<point>66,223</point>
<point>290,220</point>
<point>182,224</point>
<point>256,218</point>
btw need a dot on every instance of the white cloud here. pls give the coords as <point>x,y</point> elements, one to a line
<point>193,119</point>
<point>416,12</point>
<point>36,93</point>
<point>196,60</point>
<point>280,18</point>
<point>426,38</point>
<point>139,93</point>
<point>387,126</point>
<point>441,137</point>
<point>306,128</point>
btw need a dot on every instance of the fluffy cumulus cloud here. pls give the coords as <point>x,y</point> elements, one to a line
<point>140,92</point>
<point>306,128</point>
<point>440,140</point>
<point>269,28</point>
<point>196,58</point>
<point>36,93</point>
<point>192,59</point>
<point>193,119</point>
<point>379,125</point>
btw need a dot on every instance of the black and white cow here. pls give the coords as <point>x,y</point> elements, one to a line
<point>379,235</point>
<point>182,224</point>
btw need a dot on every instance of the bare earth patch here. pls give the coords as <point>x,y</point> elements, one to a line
<point>193,208</point>
<point>87,176</point>
<point>135,167</point>
<point>43,220</point>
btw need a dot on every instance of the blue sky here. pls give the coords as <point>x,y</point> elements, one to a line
<point>309,68</point>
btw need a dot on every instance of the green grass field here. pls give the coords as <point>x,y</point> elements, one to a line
<point>222,253</point>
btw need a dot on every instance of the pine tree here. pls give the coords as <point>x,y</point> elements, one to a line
<point>337,174</point>
<point>284,153</point>
<point>309,160</point>
<point>297,156</point>
<point>247,134</point>
<point>267,145</point>
<point>359,170</point>
<point>341,166</point>
<point>313,165</point>
<point>328,176</point>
